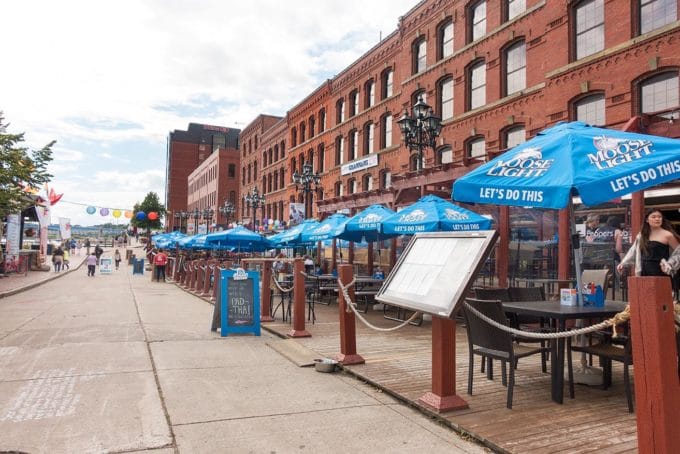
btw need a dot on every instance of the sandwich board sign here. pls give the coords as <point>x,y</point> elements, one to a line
<point>239,304</point>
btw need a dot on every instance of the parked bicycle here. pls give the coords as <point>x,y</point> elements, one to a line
<point>16,264</point>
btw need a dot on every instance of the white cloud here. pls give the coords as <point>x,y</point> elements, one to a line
<point>94,75</point>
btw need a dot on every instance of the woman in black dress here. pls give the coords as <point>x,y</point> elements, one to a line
<point>656,241</point>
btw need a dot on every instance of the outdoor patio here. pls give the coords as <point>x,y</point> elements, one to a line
<point>399,362</point>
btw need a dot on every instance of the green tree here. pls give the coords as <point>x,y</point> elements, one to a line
<point>20,168</point>
<point>149,204</point>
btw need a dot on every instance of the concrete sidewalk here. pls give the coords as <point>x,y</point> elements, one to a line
<point>117,363</point>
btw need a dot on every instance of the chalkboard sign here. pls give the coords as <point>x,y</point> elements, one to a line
<point>239,302</point>
<point>138,266</point>
<point>105,265</point>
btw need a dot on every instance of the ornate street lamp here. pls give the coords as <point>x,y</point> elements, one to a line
<point>227,210</point>
<point>421,129</point>
<point>304,181</point>
<point>196,215</point>
<point>207,216</point>
<point>254,200</point>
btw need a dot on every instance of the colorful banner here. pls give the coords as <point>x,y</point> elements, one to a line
<point>65,228</point>
<point>12,246</point>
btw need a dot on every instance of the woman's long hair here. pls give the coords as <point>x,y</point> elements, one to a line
<point>646,230</point>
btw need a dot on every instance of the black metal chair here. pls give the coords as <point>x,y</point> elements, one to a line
<point>489,341</point>
<point>607,352</point>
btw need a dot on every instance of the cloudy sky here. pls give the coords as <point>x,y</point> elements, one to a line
<point>109,80</point>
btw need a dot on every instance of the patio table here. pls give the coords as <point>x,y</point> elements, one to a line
<point>560,314</point>
<point>547,284</point>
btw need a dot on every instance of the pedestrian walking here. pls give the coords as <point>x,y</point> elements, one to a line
<point>160,260</point>
<point>73,246</point>
<point>98,251</point>
<point>87,246</point>
<point>67,258</point>
<point>79,246</point>
<point>117,258</point>
<point>91,261</point>
<point>58,259</point>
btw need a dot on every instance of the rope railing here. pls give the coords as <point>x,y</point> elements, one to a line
<point>281,289</point>
<point>351,305</point>
<point>618,319</point>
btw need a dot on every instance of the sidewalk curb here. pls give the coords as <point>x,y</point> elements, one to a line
<point>51,277</point>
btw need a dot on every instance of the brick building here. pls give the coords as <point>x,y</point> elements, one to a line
<point>496,72</point>
<point>186,151</point>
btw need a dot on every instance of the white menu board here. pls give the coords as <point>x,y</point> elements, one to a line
<point>435,271</point>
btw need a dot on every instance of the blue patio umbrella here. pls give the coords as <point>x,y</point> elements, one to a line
<point>240,238</point>
<point>572,159</point>
<point>292,236</point>
<point>430,214</point>
<point>194,242</point>
<point>366,225</point>
<point>324,230</point>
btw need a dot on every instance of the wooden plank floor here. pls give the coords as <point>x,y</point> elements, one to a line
<point>400,363</point>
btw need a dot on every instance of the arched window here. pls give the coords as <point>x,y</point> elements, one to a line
<point>476,20</point>
<point>352,186</point>
<point>514,136</point>
<point>386,131</point>
<point>282,179</point>
<point>367,182</point>
<point>418,94</point>
<point>322,120</point>
<point>276,153</point>
<point>271,157</point>
<point>385,179</point>
<point>276,180</point>
<point>415,163</point>
<point>337,189</point>
<point>303,135</point>
<point>387,83</point>
<point>369,130</point>
<point>659,93</point>
<point>475,148</point>
<point>445,39</point>
<point>476,85</point>
<point>293,136</point>
<point>656,13</point>
<point>515,67</point>
<point>353,103</point>
<point>320,158</point>
<point>293,165</point>
<point>353,145</point>
<point>369,94</point>
<point>339,111</point>
<point>445,98</point>
<point>339,150</point>
<point>283,149</point>
<point>588,27</point>
<point>264,158</point>
<point>590,109</point>
<point>255,170</point>
<point>513,8</point>
<point>419,55</point>
<point>445,155</point>
<point>311,126</point>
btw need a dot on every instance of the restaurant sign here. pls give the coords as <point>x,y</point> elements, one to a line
<point>360,164</point>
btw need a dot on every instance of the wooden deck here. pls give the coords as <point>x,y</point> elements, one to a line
<point>399,362</point>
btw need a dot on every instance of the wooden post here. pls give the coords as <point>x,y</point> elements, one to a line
<point>657,388</point>
<point>216,283</point>
<point>502,251</point>
<point>564,245</point>
<point>298,300</point>
<point>369,260</point>
<point>265,293</point>
<point>443,396</point>
<point>350,252</point>
<point>206,277</point>
<point>334,255</point>
<point>393,252</point>
<point>348,338</point>
<point>200,277</point>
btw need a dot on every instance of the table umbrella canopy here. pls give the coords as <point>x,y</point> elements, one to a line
<point>596,163</point>
<point>324,230</point>
<point>366,225</point>
<point>170,237</point>
<point>194,242</point>
<point>292,236</point>
<point>238,236</point>
<point>431,213</point>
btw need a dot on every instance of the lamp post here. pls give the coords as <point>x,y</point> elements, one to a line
<point>304,181</point>
<point>420,129</point>
<point>178,219</point>
<point>196,215</point>
<point>207,217</point>
<point>227,210</point>
<point>254,200</point>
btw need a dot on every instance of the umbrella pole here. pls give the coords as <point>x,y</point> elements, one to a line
<point>583,374</point>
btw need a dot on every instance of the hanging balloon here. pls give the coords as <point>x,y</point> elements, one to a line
<point>270,222</point>
<point>104,211</point>
<point>90,210</point>
<point>153,216</point>
<point>128,214</point>
<point>140,215</point>
<point>115,213</point>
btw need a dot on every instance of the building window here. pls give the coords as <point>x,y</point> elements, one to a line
<point>660,93</point>
<point>353,145</point>
<point>322,120</point>
<point>385,179</point>
<point>231,170</point>
<point>338,189</point>
<point>475,148</point>
<point>339,150</point>
<point>419,52</point>
<point>293,137</point>
<point>387,79</point>
<point>386,129</point>
<point>303,136</point>
<point>368,138</point>
<point>320,156</point>
<point>445,39</point>
<point>589,27</point>
<point>514,8</point>
<point>477,21</point>
<point>243,175</point>
<point>311,127</point>
<point>281,177</point>
<point>514,136</point>
<point>276,153</point>
<point>590,109</point>
<point>340,111</point>
<point>477,85</point>
<point>369,93</point>
<point>354,103</point>
<point>283,149</point>
<point>420,94</point>
<point>293,165</point>
<point>445,100</point>
<point>264,158</point>
<point>352,186</point>
<point>255,170</point>
<point>515,68</point>
<point>445,155</point>
<point>657,13</point>
<point>367,182</point>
